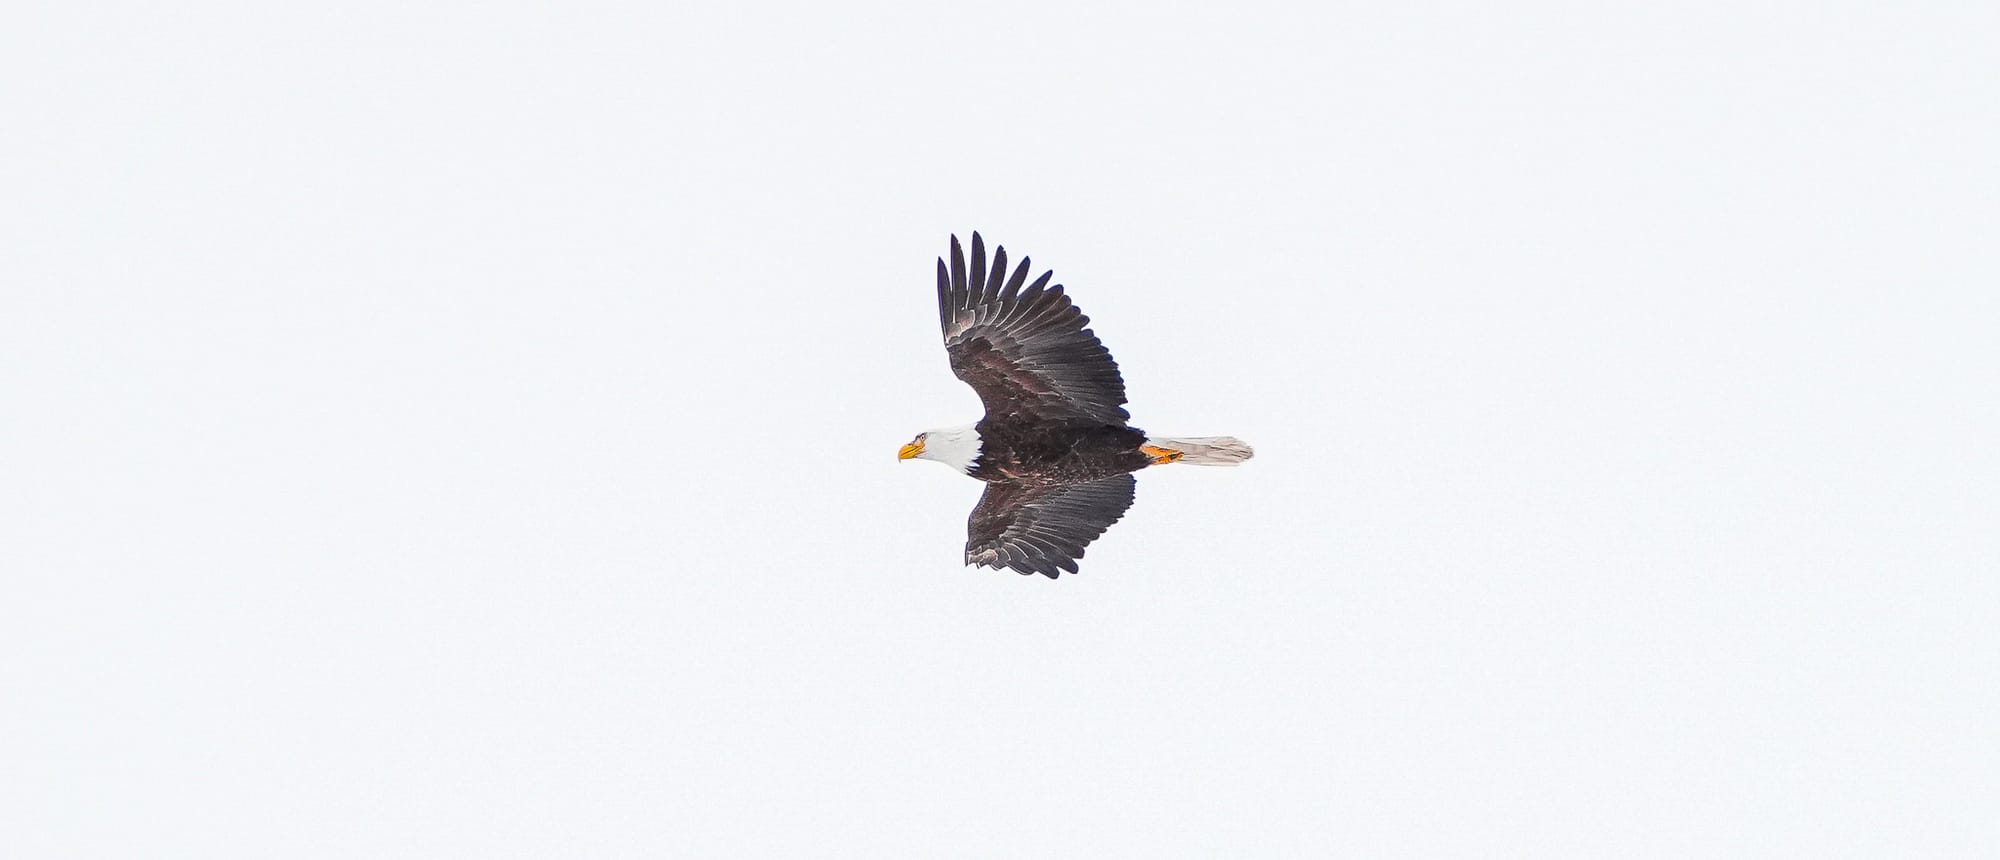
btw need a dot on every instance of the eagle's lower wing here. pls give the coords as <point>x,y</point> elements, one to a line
<point>1024,350</point>
<point>1042,528</point>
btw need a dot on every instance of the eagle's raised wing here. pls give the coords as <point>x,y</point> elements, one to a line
<point>1024,350</point>
<point>1043,528</point>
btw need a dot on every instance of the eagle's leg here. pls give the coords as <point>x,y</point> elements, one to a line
<point>1161,456</point>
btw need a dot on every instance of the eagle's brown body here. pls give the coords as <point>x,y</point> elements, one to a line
<point>1057,453</point>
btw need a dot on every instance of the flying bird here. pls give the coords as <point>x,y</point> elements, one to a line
<point>1054,449</point>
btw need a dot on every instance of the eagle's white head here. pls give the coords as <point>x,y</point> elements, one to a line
<point>956,447</point>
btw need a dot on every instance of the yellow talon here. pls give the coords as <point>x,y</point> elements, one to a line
<point>1160,455</point>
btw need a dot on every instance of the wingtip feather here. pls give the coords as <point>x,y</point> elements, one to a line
<point>957,266</point>
<point>978,279</point>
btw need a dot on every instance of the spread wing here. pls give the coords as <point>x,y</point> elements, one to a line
<point>1024,349</point>
<point>1043,528</point>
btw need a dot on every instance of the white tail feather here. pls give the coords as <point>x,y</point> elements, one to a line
<point>1206,450</point>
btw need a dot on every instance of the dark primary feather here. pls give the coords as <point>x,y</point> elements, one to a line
<point>1025,350</point>
<point>1043,528</point>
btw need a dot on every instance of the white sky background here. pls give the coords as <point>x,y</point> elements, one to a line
<point>469,431</point>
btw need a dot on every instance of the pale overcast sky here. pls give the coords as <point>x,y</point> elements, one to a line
<point>469,430</point>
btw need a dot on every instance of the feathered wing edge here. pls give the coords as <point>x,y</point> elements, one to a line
<point>1033,528</point>
<point>1024,347</point>
<point>980,291</point>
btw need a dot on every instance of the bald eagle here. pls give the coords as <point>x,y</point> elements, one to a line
<point>1054,449</point>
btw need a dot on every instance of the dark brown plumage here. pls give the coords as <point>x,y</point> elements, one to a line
<point>1043,527</point>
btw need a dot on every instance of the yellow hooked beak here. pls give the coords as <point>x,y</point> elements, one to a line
<point>910,450</point>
